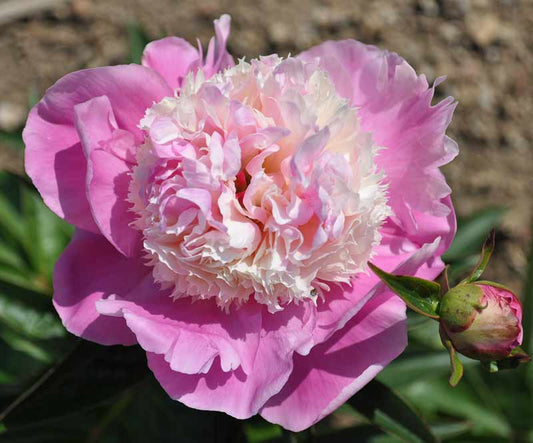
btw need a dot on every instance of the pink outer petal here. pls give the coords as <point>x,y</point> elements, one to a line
<point>172,57</point>
<point>54,157</point>
<point>397,255</point>
<point>90,269</point>
<point>429,226</point>
<point>236,393</point>
<point>395,105</point>
<point>188,335</point>
<point>335,370</point>
<point>107,189</point>
<point>358,333</point>
<point>514,304</point>
<point>108,173</point>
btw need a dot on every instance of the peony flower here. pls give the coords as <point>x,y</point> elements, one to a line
<point>483,320</point>
<point>225,215</point>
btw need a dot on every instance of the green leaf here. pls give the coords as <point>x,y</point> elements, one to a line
<point>506,393</point>
<point>445,280</point>
<point>486,252</point>
<point>33,96</point>
<point>478,439</point>
<point>385,409</point>
<point>434,398</point>
<point>10,220</point>
<point>16,368</point>
<point>423,331</point>
<point>418,366</point>
<point>26,346</point>
<point>140,414</point>
<point>138,40</point>
<point>27,321</point>
<point>420,295</point>
<point>23,280</point>
<point>361,433</point>
<point>10,258</point>
<point>458,269</point>
<point>31,236</point>
<point>152,416</point>
<point>66,431</point>
<point>471,233</point>
<point>450,430</point>
<point>27,295</point>
<point>46,234</point>
<point>457,366</point>
<point>258,430</point>
<point>12,139</point>
<point>89,375</point>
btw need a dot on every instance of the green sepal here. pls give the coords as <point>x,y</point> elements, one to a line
<point>445,281</point>
<point>459,307</point>
<point>420,295</point>
<point>486,252</point>
<point>515,357</point>
<point>491,366</point>
<point>457,365</point>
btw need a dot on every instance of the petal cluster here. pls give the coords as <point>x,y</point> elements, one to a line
<point>257,183</point>
<point>225,214</point>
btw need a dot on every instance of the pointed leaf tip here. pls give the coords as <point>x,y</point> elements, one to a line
<point>420,295</point>
<point>457,365</point>
<point>445,285</point>
<point>486,252</point>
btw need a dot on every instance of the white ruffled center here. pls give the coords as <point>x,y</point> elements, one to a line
<point>257,182</point>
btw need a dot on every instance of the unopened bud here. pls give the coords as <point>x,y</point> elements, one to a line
<point>483,320</point>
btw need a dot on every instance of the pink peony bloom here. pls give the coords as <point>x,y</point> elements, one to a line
<point>225,215</point>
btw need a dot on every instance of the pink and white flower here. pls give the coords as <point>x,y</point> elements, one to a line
<point>225,215</point>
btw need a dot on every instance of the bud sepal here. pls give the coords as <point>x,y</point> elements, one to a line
<point>460,305</point>
<point>515,357</point>
<point>456,364</point>
<point>420,295</point>
<point>477,318</point>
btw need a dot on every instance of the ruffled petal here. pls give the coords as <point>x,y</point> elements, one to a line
<point>395,254</point>
<point>235,392</point>
<point>395,106</point>
<point>54,156</point>
<point>190,336</point>
<point>218,58</point>
<point>109,153</point>
<point>108,179</point>
<point>335,370</point>
<point>172,57</point>
<point>91,269</point>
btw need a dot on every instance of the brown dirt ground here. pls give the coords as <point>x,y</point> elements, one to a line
<point>484,47</point>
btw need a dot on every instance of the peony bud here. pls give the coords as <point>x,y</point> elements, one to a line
<point>480,319</point>
<point>483,320</point>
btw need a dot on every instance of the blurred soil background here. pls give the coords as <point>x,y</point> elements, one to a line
<point>484,47</point>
